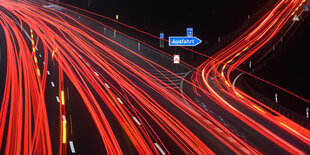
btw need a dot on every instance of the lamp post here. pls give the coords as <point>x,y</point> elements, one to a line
<point>116,18</point>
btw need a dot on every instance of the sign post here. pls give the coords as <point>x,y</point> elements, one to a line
<point>189,32</point>
<point>188,40</point>
<point>116,16</point>
<point>161,40</point>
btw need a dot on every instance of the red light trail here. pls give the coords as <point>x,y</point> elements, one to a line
<point>88,62</point>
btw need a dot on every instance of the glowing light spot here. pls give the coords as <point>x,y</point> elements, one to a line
<point>54,51</point>
<point>238,54</point>
<point>227,83</point>
<point>35,59</point>
<point>258,108</point>
<point>64,132</point>
<point>288,127</point>
<point>245,48</point>
<point>62,97</point>
<point>239,95</point>
<point>38,72</point>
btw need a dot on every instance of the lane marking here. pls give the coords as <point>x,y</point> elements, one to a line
<point>57,98</point>
<point>96,73</point>
<point>64,118</point>
<point>159,148</point>
<point>136,120</point>
<point>171,80</point>
<point>52,83</point>
<point>120,101</point>
<point>72,147</point>
<point>48,73</point>
<point>40,55</point>
<point>107,85</point>
<point>234,83</point>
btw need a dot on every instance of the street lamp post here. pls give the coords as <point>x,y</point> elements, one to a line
<point>116,18</point>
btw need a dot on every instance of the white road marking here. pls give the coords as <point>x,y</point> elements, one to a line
<point>52,83</point>
<point>57,98</point>
<point>159,148</point>
<point>107,85</point>
<point>120,101</point>
<point>64,118</point>
<point>72,146</point>
<point>96,73</point>
<point>43,63</point>
<point>234,82</point>
<point>48,73</point>
<point>40,55</point>
<point>134,118</point>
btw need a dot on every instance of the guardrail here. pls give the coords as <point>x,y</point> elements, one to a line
<point>242,82</point>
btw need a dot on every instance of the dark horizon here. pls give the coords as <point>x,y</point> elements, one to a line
<point>208,18</point>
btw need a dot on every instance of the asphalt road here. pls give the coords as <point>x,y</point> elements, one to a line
<point>106,92</point>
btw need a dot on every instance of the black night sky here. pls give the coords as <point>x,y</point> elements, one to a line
<point>209,18</point>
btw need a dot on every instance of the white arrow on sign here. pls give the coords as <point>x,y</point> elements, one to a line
<point>176,59</point>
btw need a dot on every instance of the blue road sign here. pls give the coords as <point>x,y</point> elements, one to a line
<point>161,35</point>
<point>184,41</point>
<point>189,32</point>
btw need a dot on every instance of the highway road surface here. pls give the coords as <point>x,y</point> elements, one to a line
<point>73,85</point>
